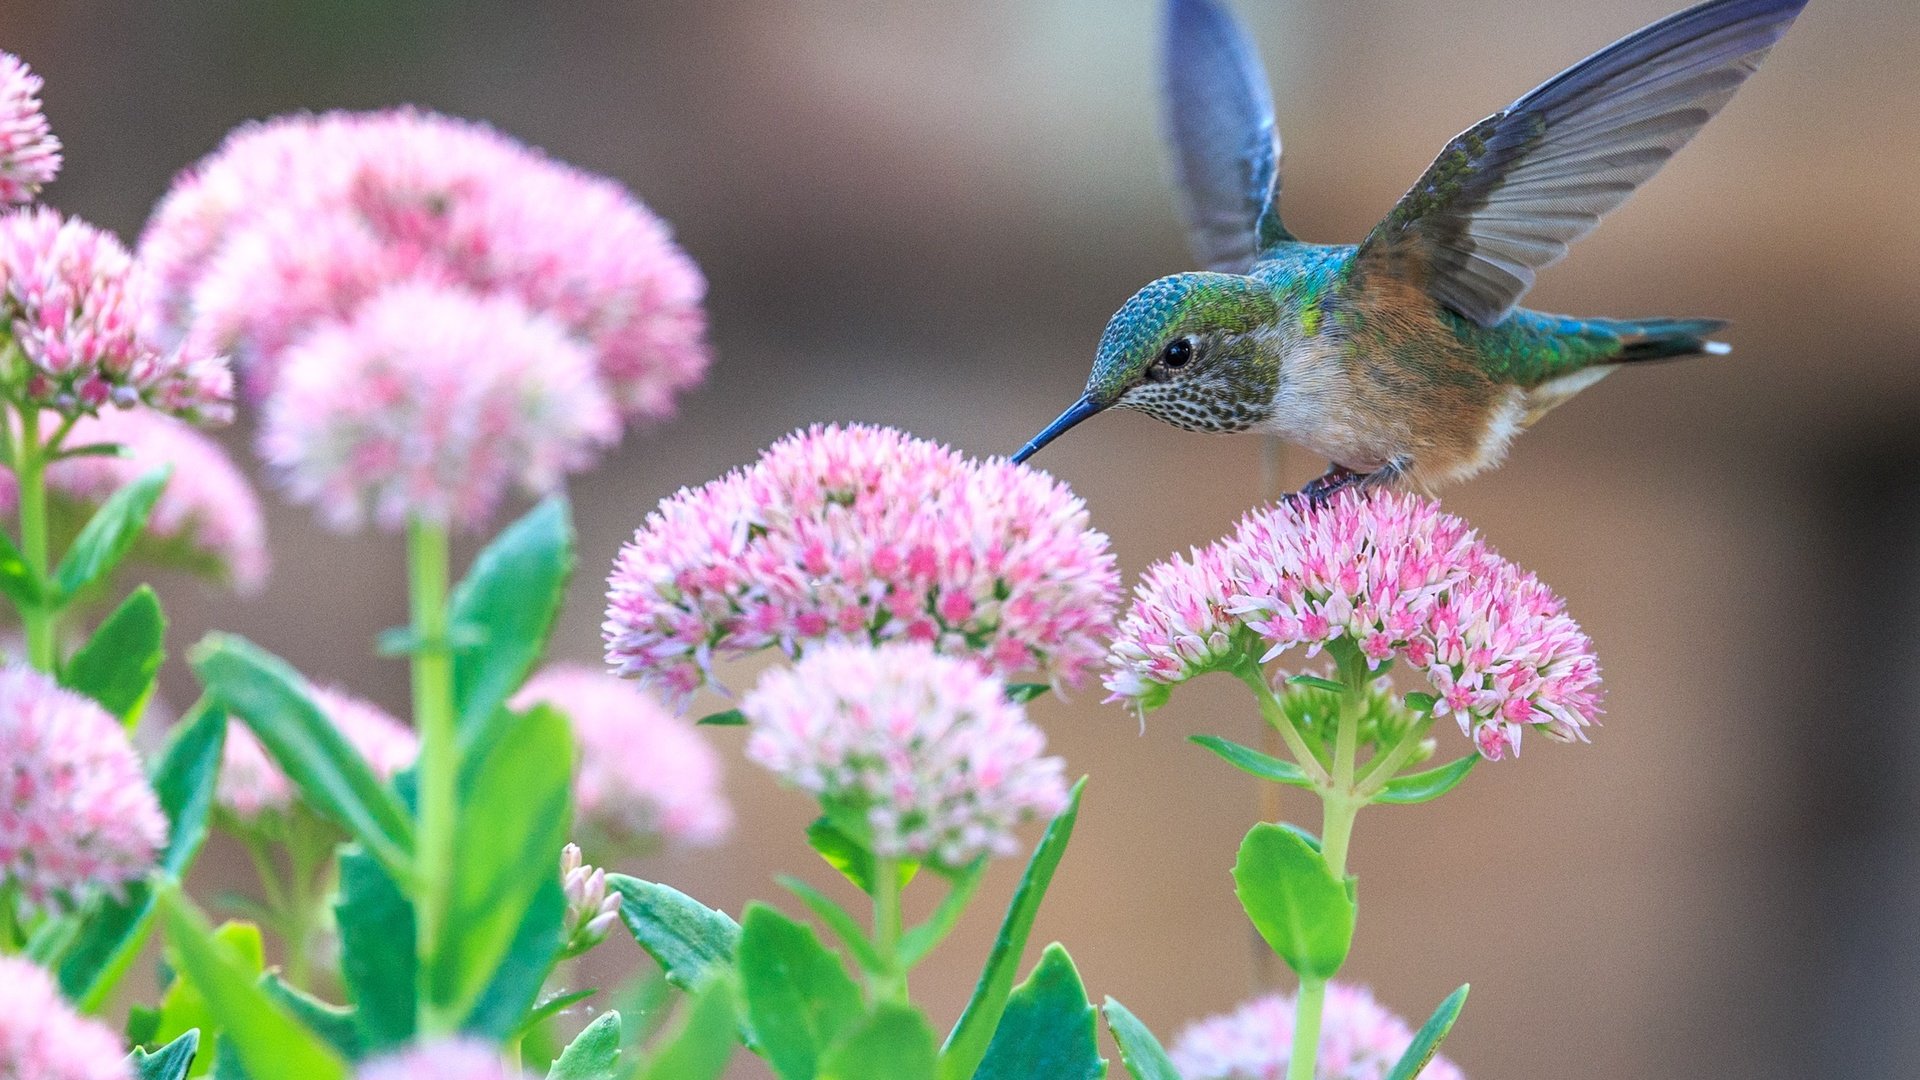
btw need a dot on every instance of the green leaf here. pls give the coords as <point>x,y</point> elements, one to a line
<point>689,940</point>
<point>332,777</point>
<point>1249,760</point>
<point>728,718</point>
<point>16,578</point>
<point>511,595</point>
<point>1317,683</point>
<point>1022,692</point>
<point>99,449</point>
<point>967,1043</point>
<point>185,1008</point>
<point>1140,1052</point>
<point>267,1041</point>
<point>1421,702</point>
<point>895,1043</point>
<point>170,1062</point>
<point>117,665</point>
<point>850,856</point>
<point>1421,786</point>
<point>1426,1041</point>
<point>105,538</point>
<point>837,920</point>
<point>798,996</point>
<point>377,948</point>
<point>1294,900</point>
<point>1048,1029</point>
<point>594,1054</point>
<point>504,1004</point>
<point>519,803</point>
<point>547,1010</point>
<point>184,779</point>
<point>916,943</point>
<point>334,1023</point>
<point>701,1038</point>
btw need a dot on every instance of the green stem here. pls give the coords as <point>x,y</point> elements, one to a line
<point>1277,718</point>
<point>891,984</point>
<point>427,577</point>
<point>1306,1029</point>
<point>30,467</point>
<point>11,937</point>
<point>1385,766</point>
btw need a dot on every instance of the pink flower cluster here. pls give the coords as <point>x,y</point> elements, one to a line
<point>863,534</point>
<point>43,1038</point>
<point>29,153</point>
<point>298,221</point>
<point>644,773</point>
<point>433,403</point>
<point>252,786</point>
<point>208,514</point>
<point>1396,577</point>
<point>72,301</point>
<point>591,909</point>
<point>76,814</point>
<point>1359,1040</point>
<point>446,1059</point>
<point>927,749</point>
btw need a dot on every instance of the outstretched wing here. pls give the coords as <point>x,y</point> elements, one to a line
<point>1506,197</point>
<point>1218,116</point>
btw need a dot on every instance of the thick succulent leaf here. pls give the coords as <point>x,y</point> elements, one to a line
<point>691,942</point>
<point>508,601</point>
<point>701,1038</point>
<point>1426,1041</point>
<point>800,1000</point>
<point>1140,1052</point>
<point>895,1043</point>
<point>117,665</point>
<point>1424,786</point>
<point>170,1062</point>
<point>594,1054</point>
<point>1249,760</point>
<point>1048,1028</point>
<point>1299,907</point>
<point>106,537</point>
<point>967,1044</point>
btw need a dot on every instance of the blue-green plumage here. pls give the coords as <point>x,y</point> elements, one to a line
<point>1406,356</point>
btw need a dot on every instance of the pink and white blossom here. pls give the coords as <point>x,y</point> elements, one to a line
<point>44,1038</point>
<point>76,814</point>
<point>925,750</point>
<point>1394,576</point>
<point>73,302</point>
<point>645,774</point>
<point>29,152</point>
<point>863,534</point>
<point>443,1059</point>
<point>432,403</point>
<point>1359,1040</point>
<point>297,222</point>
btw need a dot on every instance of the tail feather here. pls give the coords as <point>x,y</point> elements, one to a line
<point>1663,339</point>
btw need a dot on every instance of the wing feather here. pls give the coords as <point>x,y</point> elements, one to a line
<point>1507,196</point>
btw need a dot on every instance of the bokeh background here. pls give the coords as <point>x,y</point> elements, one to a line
<point>922,213</point>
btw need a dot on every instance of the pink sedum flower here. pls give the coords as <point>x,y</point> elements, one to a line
<point>1359,1040</point>
<point>29,153</point>
<point>434,403</point>
<point>644,772</point>
<point>863,534</point>
<point>76,814</point>
<point>251,784</point>
<point>208,515</point>
<point>591,910</point>
<point>1395,576</point>
<point>446,1059</point>
<point>72,301</point>
<point>43,1038</point>
<point>330,210</point>
<point>925,749</point>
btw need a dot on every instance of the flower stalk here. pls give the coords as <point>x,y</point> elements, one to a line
<point>889,985</point>
<point>30,465</point>
<point>427,579</point>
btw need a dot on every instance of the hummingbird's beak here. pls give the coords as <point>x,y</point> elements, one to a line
<point>1075,413</point>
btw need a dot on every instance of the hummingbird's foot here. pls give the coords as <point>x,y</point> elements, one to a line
<point>1321,490</point>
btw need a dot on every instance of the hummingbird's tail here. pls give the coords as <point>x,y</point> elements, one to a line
<point>1661,339</point>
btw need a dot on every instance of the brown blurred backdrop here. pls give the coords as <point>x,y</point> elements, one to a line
<point>922,214</point>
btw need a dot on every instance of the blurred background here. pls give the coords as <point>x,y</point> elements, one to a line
<point>922,215</point>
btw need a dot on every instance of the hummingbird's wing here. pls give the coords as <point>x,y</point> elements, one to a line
<point>1508,195</point>
<point>1218,117</point>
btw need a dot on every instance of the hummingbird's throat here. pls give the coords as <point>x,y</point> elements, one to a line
<point>1196,408</point>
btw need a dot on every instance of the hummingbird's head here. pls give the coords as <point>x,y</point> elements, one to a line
<point>1184,349</point>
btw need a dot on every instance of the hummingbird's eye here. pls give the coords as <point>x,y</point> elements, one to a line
<point>1177,352</point>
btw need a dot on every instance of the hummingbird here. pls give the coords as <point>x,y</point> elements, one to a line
<point>1405,359</point>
